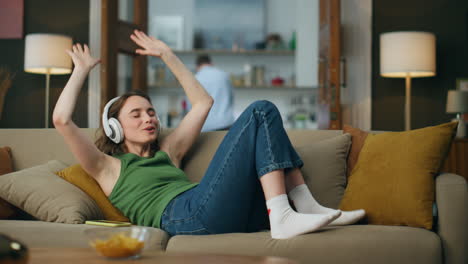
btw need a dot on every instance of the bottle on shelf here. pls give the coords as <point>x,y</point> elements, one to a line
<point>292,41</point>
<point>247,74</point>
<point>160,74</point>
<point>259,72</point>
<point>174,114</point>
<point>198,40</point>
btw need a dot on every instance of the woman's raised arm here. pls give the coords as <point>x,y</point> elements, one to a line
<point>89,156</point>
<point>178,142</point>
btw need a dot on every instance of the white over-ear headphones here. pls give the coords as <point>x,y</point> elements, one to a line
<point>112,126</point>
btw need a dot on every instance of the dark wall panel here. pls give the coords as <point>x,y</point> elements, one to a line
<point>448,20</point>
<point>25,100</point>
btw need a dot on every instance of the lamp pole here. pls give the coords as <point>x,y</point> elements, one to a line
<point>47,98</point>
<point>408,102</point>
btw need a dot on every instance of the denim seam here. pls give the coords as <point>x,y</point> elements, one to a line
<point>267,135</point>
<point>275,166</point>
<point>280,165</point>
<point>190,232</point>
<point>178,221</point>
<point>169,215</point>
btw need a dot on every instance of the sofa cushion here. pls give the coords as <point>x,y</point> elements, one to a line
<point>45,234</point>
<point>80,178</point>
<point>197,160</point>
<point>44,195</point>
<point>394,177</point>
<point>347,244</point>
<point>324,168</point>
<point>6,166</point>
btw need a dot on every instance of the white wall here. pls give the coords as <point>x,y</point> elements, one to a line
<point>124,61</point>
<point>356,18</point>
<point>280,17</point>
<point>94,79</point>
<point>184,8</point>
<point>307,51</point>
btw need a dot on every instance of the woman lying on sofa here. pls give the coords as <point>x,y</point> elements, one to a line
<point>142,177</point>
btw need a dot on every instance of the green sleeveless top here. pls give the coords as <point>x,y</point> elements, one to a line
<point>146,185</point>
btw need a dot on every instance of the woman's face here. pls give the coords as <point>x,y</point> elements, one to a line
<point>138,120</point>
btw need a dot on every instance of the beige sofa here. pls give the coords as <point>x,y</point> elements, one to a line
<point>349,244</point>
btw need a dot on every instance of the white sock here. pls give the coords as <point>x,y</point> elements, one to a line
<point>286,223</point>
<point>305,203</point>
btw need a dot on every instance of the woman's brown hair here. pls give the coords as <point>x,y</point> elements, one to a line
<point>104,144</point>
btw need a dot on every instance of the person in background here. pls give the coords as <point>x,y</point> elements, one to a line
<point>218,85</point>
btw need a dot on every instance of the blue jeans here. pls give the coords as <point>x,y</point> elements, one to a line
<point>230,198</point>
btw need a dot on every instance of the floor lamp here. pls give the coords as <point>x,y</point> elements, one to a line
<point>457,103</point>
<point>45,54</point>
<point>407,54</point>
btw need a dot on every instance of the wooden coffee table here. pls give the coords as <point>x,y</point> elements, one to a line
<point>89,256</point>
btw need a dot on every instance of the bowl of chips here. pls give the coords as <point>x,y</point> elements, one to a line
<point>118,242</point>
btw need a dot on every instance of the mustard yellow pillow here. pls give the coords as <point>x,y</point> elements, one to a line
<point>393,179</point>
<point>78,177</point>
<point>6,166</point>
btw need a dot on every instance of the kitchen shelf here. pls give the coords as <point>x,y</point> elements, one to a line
<point>175,88</point>
<point>243,52</point>
<point>277,87</point>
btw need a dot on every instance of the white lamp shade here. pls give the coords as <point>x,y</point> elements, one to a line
<point>457,101</point>
<point>407,53</point>
<point>46,53</point>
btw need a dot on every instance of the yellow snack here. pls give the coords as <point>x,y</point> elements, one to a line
<point>118,246</point>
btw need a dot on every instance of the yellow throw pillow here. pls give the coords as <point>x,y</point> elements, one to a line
<point>393,179</point>
<point>78,177</point>
<point>6,166</point>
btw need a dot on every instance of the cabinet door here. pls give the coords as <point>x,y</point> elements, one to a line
<point>329,114</point>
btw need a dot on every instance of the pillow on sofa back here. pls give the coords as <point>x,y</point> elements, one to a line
<point>78,177</point>
<point>358,137</point>
<point>6,166</point>
<point>324,168</point>
<point>394,176</point>
<point>39,192</point>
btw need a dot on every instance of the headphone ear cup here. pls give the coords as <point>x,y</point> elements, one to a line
<point>117,132</point>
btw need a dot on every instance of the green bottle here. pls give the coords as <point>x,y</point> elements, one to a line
<point>292,41</point>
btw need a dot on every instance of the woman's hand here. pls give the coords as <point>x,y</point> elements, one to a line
<point>151,46</point>
<point>82,57</point>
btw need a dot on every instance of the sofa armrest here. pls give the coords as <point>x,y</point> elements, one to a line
<point>452,227</point>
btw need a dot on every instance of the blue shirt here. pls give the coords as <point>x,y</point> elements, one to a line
<point>218,85</point>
